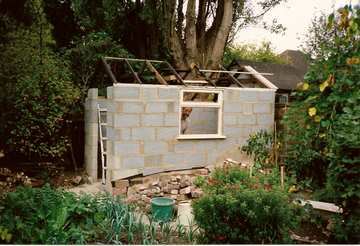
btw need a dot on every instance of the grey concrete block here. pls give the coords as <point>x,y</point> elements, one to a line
<point>232,132</point>
<point>171,119</point>
<point>231,95</point>
<point>133,107</point>
<point>228,144</point>
<point>172,107</point>
<point>109,92</point>
<point>126,148</point>
<point>167,133</point>
<point>149,93</point>
<point>126,120</point>
<point>247,119</point>
<point>247,108</point>
<point>155,147</point>
<point>265,119</point>
<point>173,159</point>
<point>102,103</point>
<point>133,162</point>
<point>230,119</point>
<point>92,93</point>
<point>91,116</point>
<point>206,145</point>
<point>197,159</point>
<point>143,133</point>
<point>152,170</point>
<point>152,120</point>
<point>153,160</point>
<point>109,119</point>
<point>91,139</point>
<point>124,133</point>
<point>156,107</point>
<point>230,107</point>
<point>111,106</point>
<point>248,96</point>
<point>246,132</point>
<point>262,108</point>
<point>185,147</point>
<point>212,158</point>
<point>126,92</point>
<point>168,92</point>
<point>91,128</point>
<point>266,96</point>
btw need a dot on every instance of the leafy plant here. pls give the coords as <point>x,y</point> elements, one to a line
<point>37,92</point>
<point>259,146</point>
<point>48,216</point>
<point>85,57</point>
<point>240,209</point>
<point>324,119</point>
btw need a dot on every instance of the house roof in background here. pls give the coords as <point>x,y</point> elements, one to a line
<point>285,76</point>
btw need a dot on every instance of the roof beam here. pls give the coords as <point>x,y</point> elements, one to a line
<point>156,73</point>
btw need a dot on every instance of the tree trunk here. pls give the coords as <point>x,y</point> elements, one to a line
<point>201,47</point>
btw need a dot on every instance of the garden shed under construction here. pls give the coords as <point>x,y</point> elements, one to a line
<point>154,119</point>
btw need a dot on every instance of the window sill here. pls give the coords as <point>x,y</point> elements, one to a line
<point>201,136</point>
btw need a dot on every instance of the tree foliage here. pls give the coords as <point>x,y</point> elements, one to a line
<point>324,120</point>
<point>251,52</point>
<point>85,59</point>
<point>185,31</point>
<point>37,92</point>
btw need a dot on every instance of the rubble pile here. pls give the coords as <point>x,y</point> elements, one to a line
<point>179,186</point>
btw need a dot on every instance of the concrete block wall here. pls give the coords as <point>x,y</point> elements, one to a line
<point>143,126</point>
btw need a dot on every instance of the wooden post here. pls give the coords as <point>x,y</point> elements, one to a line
<point>108,71</point>
<point>282,175</point>
<point>158,77</point>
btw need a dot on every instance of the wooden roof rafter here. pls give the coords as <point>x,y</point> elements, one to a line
<point>149,64</point>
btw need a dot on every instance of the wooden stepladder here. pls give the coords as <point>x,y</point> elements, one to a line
<point>102,140</point>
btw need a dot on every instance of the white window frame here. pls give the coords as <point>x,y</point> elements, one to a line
<point>195,104</point>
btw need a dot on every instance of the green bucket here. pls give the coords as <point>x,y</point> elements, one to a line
<point>162,208</point>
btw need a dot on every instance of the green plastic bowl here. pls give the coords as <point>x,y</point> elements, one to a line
<point>162,208</point>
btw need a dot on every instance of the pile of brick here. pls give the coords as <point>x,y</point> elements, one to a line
<point>176,185</point>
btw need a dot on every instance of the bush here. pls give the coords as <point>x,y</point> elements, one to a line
<point>239,209</point>
<point>323,122</point>
<point>37,94</point>
<point>259,146</point>
<point>48,216</point>
<point>85,56</point>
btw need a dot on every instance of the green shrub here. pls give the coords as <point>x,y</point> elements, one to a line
<point>49,216</point>
<point>247,216</point>
<point>85,59</point>
<point>240,209</point>
<point>37,95</point>
<point>323,121</point>
<point>259,146</point>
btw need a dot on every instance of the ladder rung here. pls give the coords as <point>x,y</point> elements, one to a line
<point>104,138</point>
<point>102,109</point>
<point>103,124</point>
<point>104,153</point>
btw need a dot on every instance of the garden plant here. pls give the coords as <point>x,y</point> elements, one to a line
<point>323,123</point>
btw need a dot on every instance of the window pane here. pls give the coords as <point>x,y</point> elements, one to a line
<point>199,120</point>
<point>200,96</point>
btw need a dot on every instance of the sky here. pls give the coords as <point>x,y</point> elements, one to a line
<point>296,16</point>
